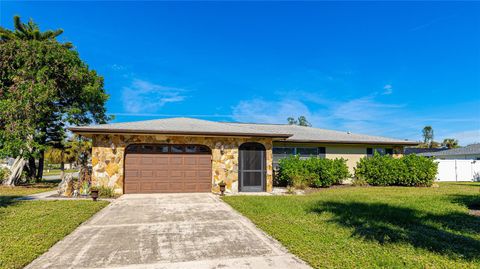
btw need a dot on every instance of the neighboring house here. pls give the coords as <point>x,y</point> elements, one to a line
<point>409,151</point>
<point>471,152</point>
<point>192,155</point>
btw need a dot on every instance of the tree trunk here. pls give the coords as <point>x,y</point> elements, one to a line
<point>32,168</point>
<point>62,168</point>
<point>16,172</point>
<point>41,163</point>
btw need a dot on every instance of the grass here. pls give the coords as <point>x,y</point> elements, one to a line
<point>54,172</point>
<point>374,227</point>
<point>29,228</point>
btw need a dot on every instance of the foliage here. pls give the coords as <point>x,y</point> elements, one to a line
<point>4,173</point>
<point>410,170</point>
<point>106,192</point>
<point>315,172</point>
<point>381,227</point>
<point>359,182</point>
<point>43,86</point>
<point>301,121</point>
<point>30,228</point>
<point>75,150</point>
<point>29,31</point>
<point>450,143</point>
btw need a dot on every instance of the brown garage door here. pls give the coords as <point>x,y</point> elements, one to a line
<point>168,168</point>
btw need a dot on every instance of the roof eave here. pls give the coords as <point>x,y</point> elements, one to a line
<point>403,143</point>
<point>91,131</point>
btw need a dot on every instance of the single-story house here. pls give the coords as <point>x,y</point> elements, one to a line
<point>193,155</point>
<point>470,152</point>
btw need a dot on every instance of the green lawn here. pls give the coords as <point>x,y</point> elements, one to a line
<point>29,228</point>
<point>374,227</point>
<point>53,172</point>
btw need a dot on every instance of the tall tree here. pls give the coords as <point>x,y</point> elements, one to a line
<point>450,143</point>
<point>301,121</point>
<point>43,86</point>
<point>427,133</point>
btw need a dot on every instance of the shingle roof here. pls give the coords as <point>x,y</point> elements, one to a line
<point>468,150</point>
<point>285,132</point>
<point>176,126</point>
<point>311,134</point>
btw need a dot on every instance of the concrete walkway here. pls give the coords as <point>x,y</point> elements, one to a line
<point>167,231</point>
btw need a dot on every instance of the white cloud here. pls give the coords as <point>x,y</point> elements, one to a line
<point>259,110</point>
<point>363,109</point>
<point>466,137</point>
<point>387,89</point>
<point>144,96</point>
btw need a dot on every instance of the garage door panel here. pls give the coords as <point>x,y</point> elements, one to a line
<point>191,174</point>
<point>174,160</point>
<point>192,160</point>
<point>161,160</point>
<point>204,161</point>
<point>146,160</point>
<point>176,174</point>
<point>167,172</point>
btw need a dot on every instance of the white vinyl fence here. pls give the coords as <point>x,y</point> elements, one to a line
<point>458,170</point>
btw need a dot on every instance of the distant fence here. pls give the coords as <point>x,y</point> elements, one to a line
<point>458,170</point>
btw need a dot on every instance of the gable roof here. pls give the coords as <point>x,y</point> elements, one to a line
<point>468,150</point>
<point>282,132</point>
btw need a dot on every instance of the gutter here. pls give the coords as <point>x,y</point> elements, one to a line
<point>83,130</point>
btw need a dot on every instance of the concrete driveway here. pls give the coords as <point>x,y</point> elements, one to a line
<point>167,231</point>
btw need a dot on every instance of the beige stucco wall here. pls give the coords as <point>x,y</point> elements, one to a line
<point>108,161</point>
<point>352,153</point>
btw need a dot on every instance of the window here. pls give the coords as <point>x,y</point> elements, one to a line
<point>164,148</point>
<point>177,149</point>
<point>381,151</point>
<point>190,149</point>
<point>287,151</point>
<point>303,152</point>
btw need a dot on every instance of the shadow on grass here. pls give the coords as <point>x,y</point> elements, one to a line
<point>386,224</point>
<point>8,200</point>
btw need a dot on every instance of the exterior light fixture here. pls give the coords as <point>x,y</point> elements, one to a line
<point>222,149</point>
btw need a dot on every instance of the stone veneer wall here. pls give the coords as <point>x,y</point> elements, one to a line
<point>108,161</point>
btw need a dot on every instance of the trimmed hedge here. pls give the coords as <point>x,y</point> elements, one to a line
<point>410,170</point>
<point>314,172</point>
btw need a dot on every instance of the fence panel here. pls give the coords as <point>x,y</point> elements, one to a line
<point>458,170</point>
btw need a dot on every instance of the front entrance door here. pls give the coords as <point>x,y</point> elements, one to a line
<point>252,170</point>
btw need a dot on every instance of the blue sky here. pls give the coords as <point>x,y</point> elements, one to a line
<point>380,68</point>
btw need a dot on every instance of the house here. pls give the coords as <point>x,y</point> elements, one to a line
<point>193,155</point>
<point>471,152</point>
<point>409,151</point>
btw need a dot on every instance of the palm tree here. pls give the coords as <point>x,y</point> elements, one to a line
<point>29,31</point>
<point>450,143</point>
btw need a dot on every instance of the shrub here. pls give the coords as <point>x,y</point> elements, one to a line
<point>4,173</point>
<point>410,170</point>
<point>106,192</point>
<point>315,172</point>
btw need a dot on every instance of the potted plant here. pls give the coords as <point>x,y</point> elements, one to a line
<point>94,193</point>
<point>222,187</point>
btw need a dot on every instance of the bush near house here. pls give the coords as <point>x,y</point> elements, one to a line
<point>410,170</point>
<point>315,172</point>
